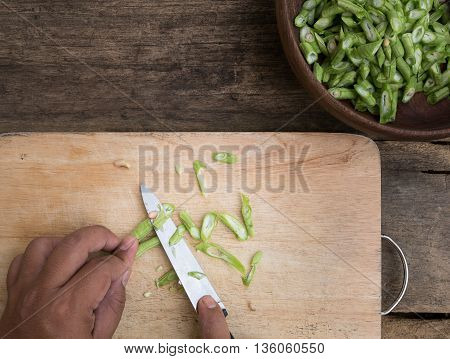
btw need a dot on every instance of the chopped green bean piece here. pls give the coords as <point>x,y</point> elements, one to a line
<point>342,93</point>
<point>209,223</point>
<point>435,72</point>
<point>410,90</point>
<point>428,85</point>
<point>189,224</point>
<point>253,264</point>
<point>340,68</point>
<point>216,251</point>
<point>323,23</point>
<point>394,21</point>
<point>360,105</point>
<point>177,235</point>
<point>143,230</point>
<point>199,167</point>
<point>196,275</point>
<point>234,225</point>
<point>147,245</point>
<point>179,169</point>
<point>318,71</point>
<point>332,10</point>
<point>417,61</point>
<point>301,18</point>
<point>367,51</point>
<point>387,49</point>
<point>417,34</point>
<point>438,95</point>
<point>381,28</point>
<point>404,68</point>
<point>165,212</point>
<point>331,46</point>
<point>348,20</point>
<point>311,56</point>
<point>408,45</point>
<point>386,105</point>
<point>365,94</point>
<point>369,30</point>
<point>338,56</point>
<point>355,9</point>
<point>364,70</point>
<point>416,14</point>
<point>335,79</point>
<point>246,211</point>
<point>397,48</point>
<point>311,17</point>
<point>167,278</point>
<point>224,157</point>
<point>380,57</point>
<point>321,43</point>
<point>347,80</point>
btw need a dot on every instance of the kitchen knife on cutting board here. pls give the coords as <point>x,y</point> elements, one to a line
<point>180,256</point>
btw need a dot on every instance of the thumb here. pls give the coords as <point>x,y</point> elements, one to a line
<point>109,311</point>
<point>212,321</point>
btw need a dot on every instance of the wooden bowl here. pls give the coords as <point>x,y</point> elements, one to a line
<point>416,120</point>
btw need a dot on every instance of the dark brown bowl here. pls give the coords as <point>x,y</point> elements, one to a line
<point>416,120</point>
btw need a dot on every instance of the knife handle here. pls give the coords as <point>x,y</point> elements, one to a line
<point>225,313</point>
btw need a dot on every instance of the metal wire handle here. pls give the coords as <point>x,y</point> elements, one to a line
<point>405,275</point>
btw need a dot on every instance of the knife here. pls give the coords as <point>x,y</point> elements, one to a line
<point>181,257</point>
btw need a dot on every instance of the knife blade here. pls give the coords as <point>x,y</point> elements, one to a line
<point>181,257</point>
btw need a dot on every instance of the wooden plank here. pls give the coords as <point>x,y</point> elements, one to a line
<point>149,66</point>
<point>320,275</point>
<point>413,327</point>
<point>416,214</point>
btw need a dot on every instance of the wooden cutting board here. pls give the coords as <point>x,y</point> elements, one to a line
<point>316,205</point>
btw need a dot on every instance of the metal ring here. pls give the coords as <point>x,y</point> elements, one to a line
<point>405,275</point>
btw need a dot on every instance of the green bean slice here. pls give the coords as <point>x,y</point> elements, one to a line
<point>189,224</point>
<point>342,93</point>
<point>143,230</point>
<point>147,245</point>
<point>165,212</point>
<point>196,275</point>
<point>199,167</point>
<point>311,56</point>
<point>216,251</point>
<point>253,264</point>
<point>246,211</point>
<point>410,90</point>
<point>177,235</point>
<point>209,223</point>
<point>438,95</point>
<point>224,157</point>
<point>234,225</point>
<point>166,278</point>
<point>365,94</point>
<point>318,71</point>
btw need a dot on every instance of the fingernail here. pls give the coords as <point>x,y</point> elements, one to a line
<point>209,302</point>
<point>125,277</point>
<point>127,243</point>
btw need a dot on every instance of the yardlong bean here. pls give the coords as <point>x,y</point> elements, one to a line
<point>373,52</point>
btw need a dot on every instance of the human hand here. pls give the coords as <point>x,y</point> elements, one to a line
<point>212,321</point>
<point>56,289</point>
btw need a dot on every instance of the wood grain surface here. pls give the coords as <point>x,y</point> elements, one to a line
<point>149,66</point>
<point>416,214</point>
<point>316,201</point>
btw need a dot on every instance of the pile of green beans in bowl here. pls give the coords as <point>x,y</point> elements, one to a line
<point>377,52</point>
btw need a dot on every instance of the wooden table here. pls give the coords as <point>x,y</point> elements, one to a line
<point>212,66</point>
